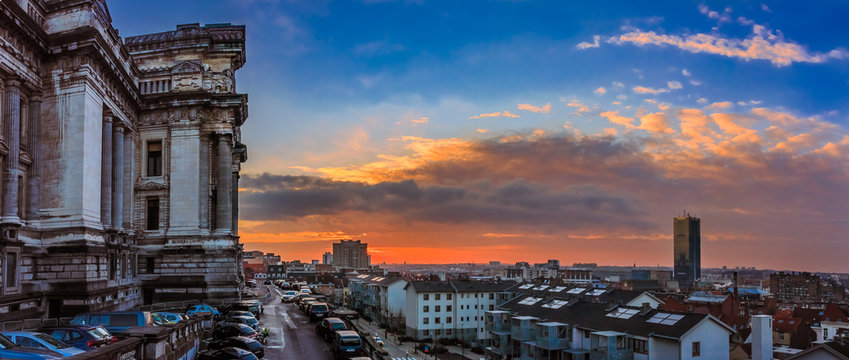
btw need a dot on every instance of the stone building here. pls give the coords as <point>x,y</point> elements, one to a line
<point>120,161</point>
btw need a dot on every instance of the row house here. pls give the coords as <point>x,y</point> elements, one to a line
<point>530,327</point>
<point>380,298</point>
<point>453,309</point>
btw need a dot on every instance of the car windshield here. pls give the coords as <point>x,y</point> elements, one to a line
<point>247,330</point>
<point>253,321</point>
<point>350,341</point>
<point>99,332</point>
<point>319,308</point>
<point>51,341</point>
<point>249,356</point>
<point>291,292</point>
<point>338,326</point>
<point>5,343</point>
<point>253,345</point>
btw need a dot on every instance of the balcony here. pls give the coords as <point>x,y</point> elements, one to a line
<point>521,328</point>
<point>498,322</point>
<point>500,344</point>
<point>610,345</point>
<point>552,335</point>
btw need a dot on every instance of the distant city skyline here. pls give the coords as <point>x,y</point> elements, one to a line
<point>476,130</point>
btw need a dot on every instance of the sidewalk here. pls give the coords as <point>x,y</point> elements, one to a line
<point>408,347</point>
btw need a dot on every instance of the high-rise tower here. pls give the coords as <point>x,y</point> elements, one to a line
<point>688,257</point>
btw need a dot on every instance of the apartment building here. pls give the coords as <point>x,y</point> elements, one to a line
<point>533,327</point>
<point>453,308</point>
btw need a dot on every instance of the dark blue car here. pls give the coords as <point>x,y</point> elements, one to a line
<point>85,337</point>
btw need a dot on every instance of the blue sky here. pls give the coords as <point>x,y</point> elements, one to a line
<point>387,91</point>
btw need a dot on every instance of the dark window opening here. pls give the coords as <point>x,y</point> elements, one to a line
<point>151,264</point>
<point>11,270</point>
<point>154,158</point>
<point>113,266</point>
<point>153,213</point>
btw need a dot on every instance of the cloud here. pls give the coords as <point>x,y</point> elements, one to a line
<point>601,90</point>
<point>482,131</point>
<point>617,84</point>
<point>614,117</point>
<point>583,45</point>
<point>648,90</point>
<point>702,101</point>
<point>719,105</point>
<point>495,114</point>
<point>761,44</point>
<point>685,72</point>
<point>674,85</point>
<point>581,108</point>
<point>655,123</point>
<point>765,8</point>
<point>421,120</point>
<point>537,109</point>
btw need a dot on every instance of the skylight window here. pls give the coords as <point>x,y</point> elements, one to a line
<point>575,291</point>
<point>526,286</point>
<point>542,287</point>
<point>379,279</point>
<point>555,304</point>
<point>530,300</point>
<point>597,292</point>
<point>623,313</point>
<point>557,289</point>
<point>665,319</point>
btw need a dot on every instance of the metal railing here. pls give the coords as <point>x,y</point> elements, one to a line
<point>32,324</point>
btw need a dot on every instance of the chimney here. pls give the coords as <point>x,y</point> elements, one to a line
<point>761,337</point>
<point>645,308</point>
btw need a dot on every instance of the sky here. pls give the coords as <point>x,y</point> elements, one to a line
<point>470,131</point>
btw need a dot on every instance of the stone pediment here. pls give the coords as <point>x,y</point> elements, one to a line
<point>187,67</point>
<point>149,185</point>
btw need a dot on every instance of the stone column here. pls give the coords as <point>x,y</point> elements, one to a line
<point>235,206</point>
<point>33,203</point>
<point>106,173</point>
<point>117,175</point>
<point>223,186</point>
<point>12,127</point>
<point>203,198</point>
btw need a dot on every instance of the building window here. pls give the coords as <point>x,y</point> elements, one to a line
<point>448,296</point>
<point>697,348</point>
<point>151,264</point>
<point>448,320</point>
<point>11,270</point>
<point>133,261</point>
<point>639,346</point>
<point>113,266</point>
<point>154,158</point>
<point>448,308</point>
<point>152,213</point>
<point>438,297</point>
<point>491,307</point>
<point>426,321</point>
<point>438,320</point>
<point>491,296</point>
<point>437,308</point>
<point>425,332</point>
<point>426,308</point>
<point>448,332</point>
<point>426,297</point>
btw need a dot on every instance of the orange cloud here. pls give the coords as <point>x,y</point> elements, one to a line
<point>655,123</point>
<point>719,105</point>
<point>495,114</point>
<point>614,117</point>
<point>583,45</point>
<point>539,109</point>
<point>648,90</point>
<point>601,90</point>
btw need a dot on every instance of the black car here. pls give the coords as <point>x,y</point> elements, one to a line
<point>85,337</point>
<point>318,311</point>
<point>329,326</point>
<point>225,330</point>
<point>230,353</point>
<point>240,342</point>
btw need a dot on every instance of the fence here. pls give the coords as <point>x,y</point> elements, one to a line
<point>32,324</point>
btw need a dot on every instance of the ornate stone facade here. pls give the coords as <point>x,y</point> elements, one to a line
<point>120,161</point>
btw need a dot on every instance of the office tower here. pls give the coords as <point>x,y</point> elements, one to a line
<point>351,253</point>
<point>687,244</point>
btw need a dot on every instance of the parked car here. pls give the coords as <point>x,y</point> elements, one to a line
<point>84,337</point>
<point>37,340</point>
<point>240,313</point>
<point>230,353</point>
<point>318,311</point>
<point>306,291</point>
<point>304,302</point>
<point>246,320</point>
<point>203,309</point>
<point>257,303</point>
<point>240,342</point>
<point>173,317</point>
<point>378,341</point>
<point>225,330</point>
<point>329,326</point>
<point>160,320</point>
<point>347,343</point>
<point>116,322</point>
<point>247,306</point>
<point>288,296</point>
<point>12,351</point>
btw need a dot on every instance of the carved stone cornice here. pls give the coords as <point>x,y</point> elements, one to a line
<point>151,184</point>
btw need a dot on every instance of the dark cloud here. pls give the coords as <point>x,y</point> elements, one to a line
<point>272,197</point>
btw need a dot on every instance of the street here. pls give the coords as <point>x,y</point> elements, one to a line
<point>291,334</point>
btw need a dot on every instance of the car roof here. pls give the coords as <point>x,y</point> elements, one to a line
<point>347,333</point>
<point>69,326</point>
<point>17,333</point>
<point>333,319</point>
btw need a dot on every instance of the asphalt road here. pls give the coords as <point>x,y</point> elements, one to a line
<point>291,334</point>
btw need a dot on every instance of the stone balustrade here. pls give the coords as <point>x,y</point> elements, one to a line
<point>179,341</point>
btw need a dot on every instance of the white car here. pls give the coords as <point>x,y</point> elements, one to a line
<point>289,296</point>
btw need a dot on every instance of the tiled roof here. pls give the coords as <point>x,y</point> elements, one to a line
<point>430,286</point>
